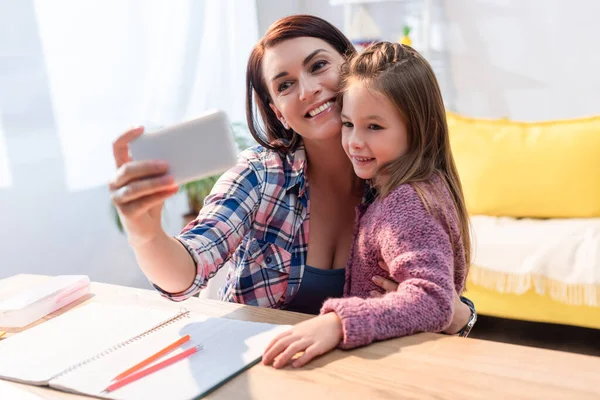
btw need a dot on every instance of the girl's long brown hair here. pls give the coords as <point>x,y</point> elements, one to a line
<point>404,77</point>
<point>272,133</point>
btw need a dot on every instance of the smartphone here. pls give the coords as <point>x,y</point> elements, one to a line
<point>194,149</point>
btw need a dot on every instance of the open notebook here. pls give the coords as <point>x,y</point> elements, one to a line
<point>83,349</point>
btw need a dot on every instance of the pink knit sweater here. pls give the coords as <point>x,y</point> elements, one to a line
<point>425,256</point>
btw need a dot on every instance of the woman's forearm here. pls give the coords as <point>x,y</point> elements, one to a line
<point>166,263</point>
<point>462,314</point>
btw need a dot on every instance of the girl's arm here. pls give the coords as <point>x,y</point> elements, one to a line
<point>180,267</point>
<point>462,312</point>
<point>419,253</point>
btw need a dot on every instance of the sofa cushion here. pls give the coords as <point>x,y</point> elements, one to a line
<point>544,170</point>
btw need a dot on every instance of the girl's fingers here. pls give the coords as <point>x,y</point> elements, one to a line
<point>136,170</point>
<point>291,350</point>
<point>277,349</point>
<point>275,340</point>
<point>310,353</point>
<point>142,188</point>
<point>121,145</point>
<point>375,293</point>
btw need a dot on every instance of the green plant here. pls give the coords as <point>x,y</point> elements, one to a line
<point>196,191</point>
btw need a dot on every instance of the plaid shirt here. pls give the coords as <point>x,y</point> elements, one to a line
<point>255,222</point>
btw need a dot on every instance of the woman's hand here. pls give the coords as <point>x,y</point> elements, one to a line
<point>386,284</point>
<point>314,337</point>
<point>462,312</point>
<point>139,190</point>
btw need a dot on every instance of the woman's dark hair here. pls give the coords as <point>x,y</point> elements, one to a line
<point>273,135</point>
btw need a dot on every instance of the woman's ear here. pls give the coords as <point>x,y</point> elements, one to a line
<point>279,116</point>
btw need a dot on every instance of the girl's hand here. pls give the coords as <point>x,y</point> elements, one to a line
<point>314,337</point>
<point>139,190</point>
<point>386,284</point>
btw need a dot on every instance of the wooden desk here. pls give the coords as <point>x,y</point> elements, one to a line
<point>424,366</point>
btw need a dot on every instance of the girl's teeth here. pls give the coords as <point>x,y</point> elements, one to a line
<point>320,109</point>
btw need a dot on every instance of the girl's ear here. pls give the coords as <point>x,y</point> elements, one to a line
<point>279,116</point>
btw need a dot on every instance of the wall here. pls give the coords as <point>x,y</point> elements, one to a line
<point>46,228</point>
<point>527,60</point>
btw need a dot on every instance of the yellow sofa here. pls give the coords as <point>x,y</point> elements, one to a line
<point>533,192</point>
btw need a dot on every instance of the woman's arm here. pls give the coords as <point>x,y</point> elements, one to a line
<point>207,242</point>
<point>180,267</point>
<point>138,191</point>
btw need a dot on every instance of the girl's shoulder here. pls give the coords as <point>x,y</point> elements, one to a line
<point>429,196</point>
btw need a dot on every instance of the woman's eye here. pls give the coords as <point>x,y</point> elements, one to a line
<point>318,65</point>
<point>347,124</point>
<point>283,86</point>
<point>375,127</point>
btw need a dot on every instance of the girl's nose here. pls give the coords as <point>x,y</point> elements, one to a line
<point>355,141</point>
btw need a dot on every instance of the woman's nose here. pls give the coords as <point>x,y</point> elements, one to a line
<point>309,88</point>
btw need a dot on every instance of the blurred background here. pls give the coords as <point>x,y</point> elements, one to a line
<point>76,73</point>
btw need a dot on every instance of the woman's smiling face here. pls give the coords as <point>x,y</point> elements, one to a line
<point>303,76</point>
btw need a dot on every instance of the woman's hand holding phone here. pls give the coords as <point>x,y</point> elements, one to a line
<point>139,190</point>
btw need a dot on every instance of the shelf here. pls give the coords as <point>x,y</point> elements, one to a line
<point>425,17</point>
<point>348,2</point>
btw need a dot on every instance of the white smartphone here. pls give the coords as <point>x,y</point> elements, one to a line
<point>193,149</point>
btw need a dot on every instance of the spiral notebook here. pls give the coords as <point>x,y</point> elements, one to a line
<point>82,350</point>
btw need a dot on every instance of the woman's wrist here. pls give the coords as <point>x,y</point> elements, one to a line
<point>462,315</point>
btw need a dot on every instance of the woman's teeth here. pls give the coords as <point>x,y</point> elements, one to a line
<point>320,109</point>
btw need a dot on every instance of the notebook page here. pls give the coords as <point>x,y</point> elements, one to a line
<point>229,346</point>
<point>12,392</point>
<point>39,353</point>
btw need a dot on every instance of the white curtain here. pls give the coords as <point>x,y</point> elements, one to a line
<point>5,177</point>
<point>113,64</point>
<point>73,75</point>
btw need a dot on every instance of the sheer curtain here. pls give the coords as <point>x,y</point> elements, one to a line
<point>73,75</point>
<point>5,177</point>
<point>114,64</point>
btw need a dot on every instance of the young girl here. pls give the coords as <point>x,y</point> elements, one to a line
<point>395,133</point>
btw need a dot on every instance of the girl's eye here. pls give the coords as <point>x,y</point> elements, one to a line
<point>318,65</point>
<point>375,127</point>
<point>347,124</point>
<point>283,86</point>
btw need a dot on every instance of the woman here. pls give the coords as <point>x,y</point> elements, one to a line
<point>282,219</point>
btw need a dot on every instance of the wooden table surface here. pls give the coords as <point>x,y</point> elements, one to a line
<point>424,366</point>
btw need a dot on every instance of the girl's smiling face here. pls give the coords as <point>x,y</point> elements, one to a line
<point>373,131</point>
<point>303,76</point>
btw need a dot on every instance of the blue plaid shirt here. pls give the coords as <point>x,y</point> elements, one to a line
<point>255,223</point>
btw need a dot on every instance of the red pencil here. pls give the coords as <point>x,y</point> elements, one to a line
<point>153,358</point>
<point>154,368</point>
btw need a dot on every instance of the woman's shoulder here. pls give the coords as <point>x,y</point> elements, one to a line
<point>275,169</point>
<point>270,159</point>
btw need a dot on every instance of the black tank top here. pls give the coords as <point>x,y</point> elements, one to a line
<point>317,286</point>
